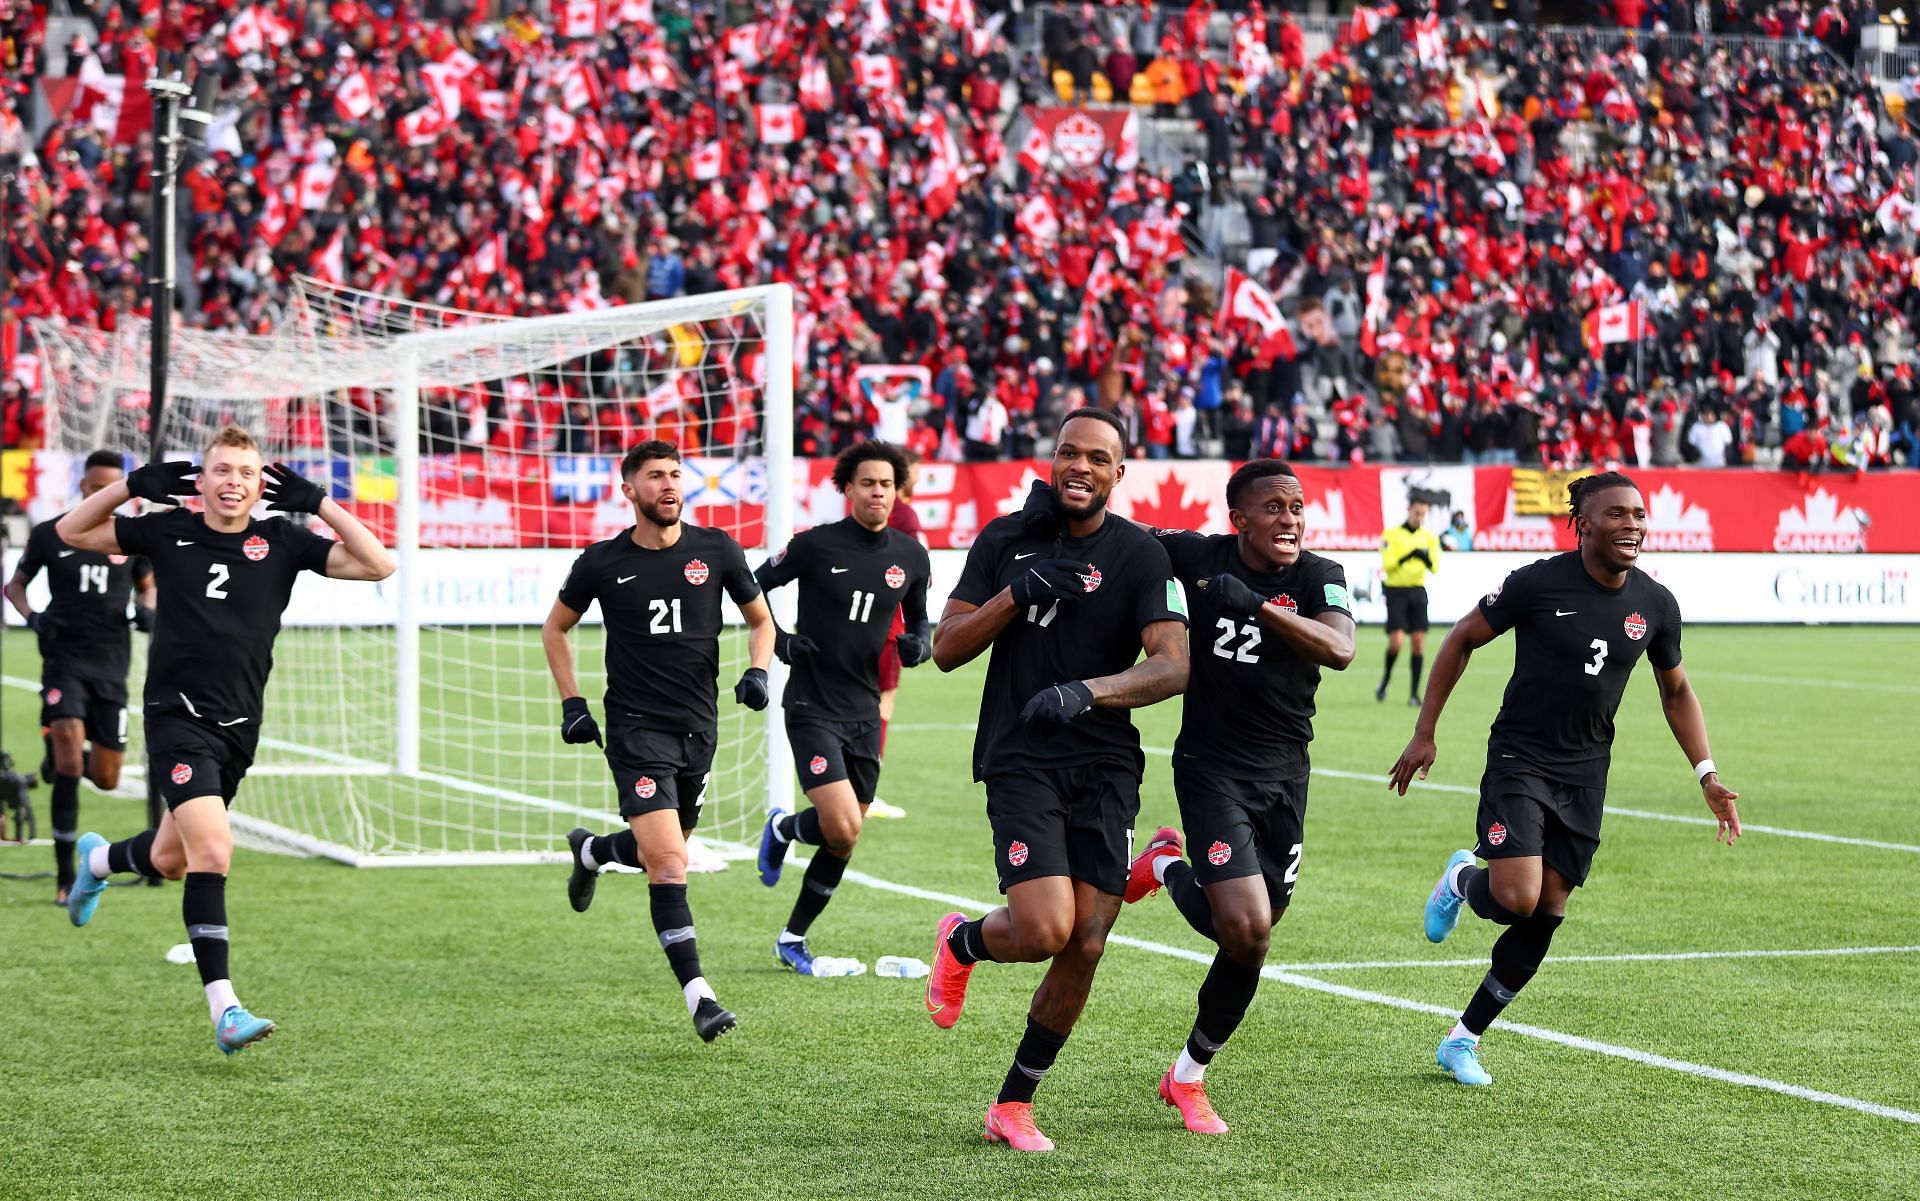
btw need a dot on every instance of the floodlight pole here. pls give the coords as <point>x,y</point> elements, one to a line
<point>167,95</point>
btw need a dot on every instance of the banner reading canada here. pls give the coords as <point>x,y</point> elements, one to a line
<point>504,500</point>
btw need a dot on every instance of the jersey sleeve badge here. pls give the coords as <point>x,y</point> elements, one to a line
<point>1337,597</point>
<point>1175,601</point>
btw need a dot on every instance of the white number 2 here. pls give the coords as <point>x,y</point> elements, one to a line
<point>217,586</point>
<point>1244,653</point>
<point>94,575</point>
<point>1293,867</point>
<point>1599,657</point>
<point>666,616</point>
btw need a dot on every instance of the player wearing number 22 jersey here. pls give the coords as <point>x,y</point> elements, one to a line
<point>1582,620</point>
<point>1267,616</point>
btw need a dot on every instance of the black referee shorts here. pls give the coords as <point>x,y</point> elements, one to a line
<point>190,758</point>
<point>826,752</point>
<point>660,769</point>
<point>1064,821</point>
<point>67,692</point>
<point>1237,828</point>
<point>1523,813</point>
<point>1406,609</point>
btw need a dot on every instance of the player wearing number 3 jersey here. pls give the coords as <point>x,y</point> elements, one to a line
<point>1581,621</point>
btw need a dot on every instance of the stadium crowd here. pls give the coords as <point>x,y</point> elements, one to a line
<point>1452,220</point>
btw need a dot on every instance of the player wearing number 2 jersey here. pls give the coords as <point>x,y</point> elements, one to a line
<point>224,577</point>
<point>1581,621</point>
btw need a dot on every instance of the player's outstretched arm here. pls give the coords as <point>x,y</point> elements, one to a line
<point>1163,673</point>
<point>1469,634</point>
<point>89,524</point>
<point>1689,725</point>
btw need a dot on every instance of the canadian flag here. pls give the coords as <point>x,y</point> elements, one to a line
<point>577,85</point>
<point>635,12</point>
<point>423,126</point>
<point>956,14</point>
<point>1376,315</point>
<point>353,99</point>
<point>1429,44</point>
<point>579,18</point>
<point>462,62</point>
<point>316,184</point>
<point>1084,342</point>
<point>709,160</point>
<point>941,186</point>
<point>869,143</point>
<point>490,259</point>
<point>276,217</point>
<point>331,265</point>
<point>877,72</point>
<point>1126,154</point>
<point>1101,279</point>
<point>758,199</point>
<point>816,90</point>
<point>491,105</point>
<point>1614,323</point>
<point>443,80</point>
<point>560,125</point>
<point>1036,149</point>
<point>1038,219</point>
<point>729,78</point>
<point>743,44</point>
<point>254,30</point>
<point>777,124</point>
<point>663,399</point>
<point>103,102</point>
<point>1246,300</point>
<point>1367,21</point>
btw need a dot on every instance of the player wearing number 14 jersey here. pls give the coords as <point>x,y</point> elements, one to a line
<point>1581,621</point>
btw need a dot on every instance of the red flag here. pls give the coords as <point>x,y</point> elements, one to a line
<point>1245,300</point>
<point>443,81</point>
<point>331,265</point>
<point>560,125</point>
<point>816,90</point>
<point>579,19</point>
<point>1614,323</point>
<point>1376,307</point>
<point>729,78</point>
<point>1101,279</point>
<point>577,85</point>
<point>1429,44</point>
<point>423,126</point>
<point>353,99</point>
<point>777,124</point>
<point>1038,219</point>
<point>254,29</point>
<point>709,160</point>
<point>316,184</point>
<point>743,44</point>
<point>491,105</point>
<point>276,217</point>
<point>635,12</point>
<point>1036,149</point>
<point>1367,21</point>
<point>877,72</point>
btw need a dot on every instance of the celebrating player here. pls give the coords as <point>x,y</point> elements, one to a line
<point>1067,600</point>
<point>224,578</point>
<point>658,584</point>
<point>1583,619</point>
<point>1408,551</point>
<point>853,574</point>
<point>1275,615</point>
<point>83,658</point>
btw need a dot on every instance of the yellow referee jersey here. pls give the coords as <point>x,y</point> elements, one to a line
<point>1396,543</point>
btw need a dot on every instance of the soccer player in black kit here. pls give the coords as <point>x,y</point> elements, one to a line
<point>1267,616</point>
<point>1582,620</point>
<point>658,584</point>
<point>224,578</point>
<point>84,646</point>
<point>853,575</point>
<point>1066,598</point>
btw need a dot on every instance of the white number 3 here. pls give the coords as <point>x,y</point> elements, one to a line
<point>1599,657</point>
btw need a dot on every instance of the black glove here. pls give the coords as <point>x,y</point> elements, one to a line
<point>1230,594</point>
<point>751,691</point>
<point>1052,708</point>
<point>143,618</point>
<point>577,724</point>
<point>793,648</point>
<point>915,646</point>
<point>1421,554</point>
<point>288,493</point>
<point>1040,516</point>
<point>161,482</point>
<point>37,622</point>
<point>1046,580</point>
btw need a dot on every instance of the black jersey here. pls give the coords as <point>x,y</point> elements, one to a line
<point>1576,642</point>
<point>852,579</point>
<point>221,596</point>
<point>663,619</point>
<point>1130,587</point>
<point>88,609</point>
<point>1248,710</point>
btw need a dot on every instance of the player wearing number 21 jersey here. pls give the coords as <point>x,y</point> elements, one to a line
<point>224,578</point>
<point>1582,620</point>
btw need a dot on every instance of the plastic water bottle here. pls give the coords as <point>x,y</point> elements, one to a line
<point>832,965</point>
<point>903,967</point>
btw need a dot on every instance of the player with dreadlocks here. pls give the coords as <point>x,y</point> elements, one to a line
<point>1582,620</point>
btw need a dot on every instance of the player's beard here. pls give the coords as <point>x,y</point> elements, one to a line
<point>1095,505</point>
<point>652,513</point>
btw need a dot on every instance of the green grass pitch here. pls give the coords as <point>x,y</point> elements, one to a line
<point>463,1033</point>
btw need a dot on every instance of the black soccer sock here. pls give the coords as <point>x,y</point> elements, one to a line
<point>66,815</point>
<point>1517,955</point>
<point>1387,673</point>
<point>816,889</point>
<point>134,855</point>
<point>619,847</point>
<point>1039,1047</point>
<point>1476,884</point>
<point>203,906</point>
<point>968,942</point>
<point>1190,899</point>
<point>1224,997</point>
<point>1416,662</point>
<point>673,921</point>
<point>803,827</point>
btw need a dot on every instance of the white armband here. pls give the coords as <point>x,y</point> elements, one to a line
<point>1703,769</point>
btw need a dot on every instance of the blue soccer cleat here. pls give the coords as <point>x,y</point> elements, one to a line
<point>773,852</point>
<point>794,955</point>
<point>237,1030</point>
<point>1461,1058</point>
<point>1443,905</point>
<point>84,896</point>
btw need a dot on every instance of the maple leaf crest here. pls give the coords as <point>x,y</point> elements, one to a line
<point>1169,508</point>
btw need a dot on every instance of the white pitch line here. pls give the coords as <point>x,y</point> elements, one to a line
<point>1804,682</point>
<point>1635,957</point>
<point>1632,1055</point>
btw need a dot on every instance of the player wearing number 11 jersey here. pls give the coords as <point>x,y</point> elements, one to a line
<point>1581,620</point>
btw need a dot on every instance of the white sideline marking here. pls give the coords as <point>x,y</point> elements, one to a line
<point>1633,957</point>
<point>1803,682</point>
<point>1272,972</point>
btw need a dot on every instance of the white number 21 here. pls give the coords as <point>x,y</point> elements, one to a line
<point>1599,657</point>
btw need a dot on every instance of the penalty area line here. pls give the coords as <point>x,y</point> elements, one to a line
<point>1294,979</point>
<point>1632,957</point>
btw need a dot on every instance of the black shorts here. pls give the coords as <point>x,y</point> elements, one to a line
<point>828,752</point>
<point>190,758</point>
<point>1238,828</point>
<point>1064,821</point>
<point>1523,813</point>
<point>660,769</point>
<point>102,703</point>
<point>1406,609</point>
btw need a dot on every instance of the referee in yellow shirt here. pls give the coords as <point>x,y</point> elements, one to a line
<point>1409,551</point>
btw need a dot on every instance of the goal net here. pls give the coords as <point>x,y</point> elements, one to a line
<point>414,721</point>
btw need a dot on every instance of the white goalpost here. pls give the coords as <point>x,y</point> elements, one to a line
<point>414,722</point>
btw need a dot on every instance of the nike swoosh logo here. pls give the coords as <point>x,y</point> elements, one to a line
<point>838,570</point>
<point>1030,554</point>
<point>1565,612</point>
<point>623,579</point>
<point>65,553</point>
<point>183,542</point>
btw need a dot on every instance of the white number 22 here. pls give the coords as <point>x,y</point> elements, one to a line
<point>1599,657</point>
<point>1244,653</point>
